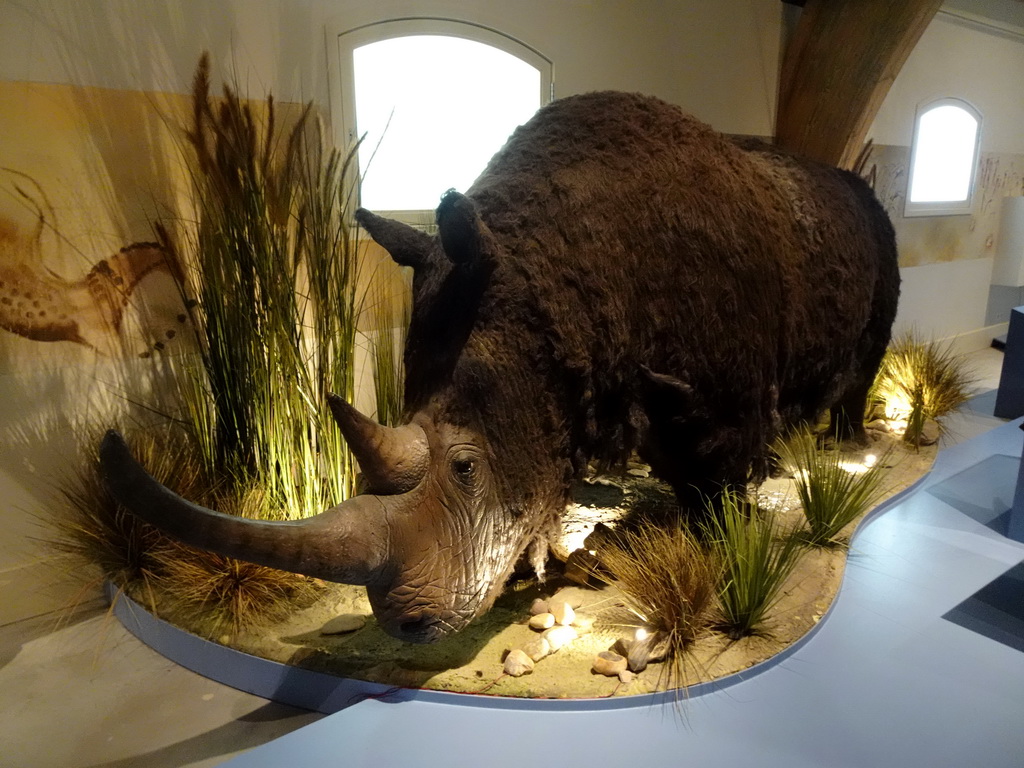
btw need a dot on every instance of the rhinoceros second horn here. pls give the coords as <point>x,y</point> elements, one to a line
<point>393,459</point>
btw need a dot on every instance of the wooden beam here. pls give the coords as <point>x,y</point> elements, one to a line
<point>838,68</point>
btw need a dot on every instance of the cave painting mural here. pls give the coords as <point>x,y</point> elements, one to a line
<point>40,305</point>
<point>619,278</point>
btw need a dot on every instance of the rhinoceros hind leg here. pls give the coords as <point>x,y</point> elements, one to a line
<point>846,422</point>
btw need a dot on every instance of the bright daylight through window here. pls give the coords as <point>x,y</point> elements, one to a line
<point>434,109</point>
<point>943,159</point>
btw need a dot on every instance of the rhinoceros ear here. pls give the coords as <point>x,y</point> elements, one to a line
<point>407,245</point>
<point>666,397</point>
<point>464,237</point>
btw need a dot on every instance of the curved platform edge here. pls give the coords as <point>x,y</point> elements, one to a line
<point>322,692</point>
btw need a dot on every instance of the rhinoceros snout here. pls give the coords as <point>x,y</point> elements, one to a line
<point>425,625</point>
<point>419,628</point>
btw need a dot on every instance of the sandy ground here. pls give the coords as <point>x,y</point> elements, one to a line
<point>472,661</point>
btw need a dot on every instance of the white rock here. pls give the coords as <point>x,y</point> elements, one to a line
<point>539,606</point>
<point>625,676</point>
<point>563,613</point>
<point>559,636</point>
<point>638,472</point>
<point>571,595</point>
<point>341,625</point>
<point>609,663</point>
<point>584,624</point>
<point>542,621</point>
<point>517,663</point>
<point>537,648</point>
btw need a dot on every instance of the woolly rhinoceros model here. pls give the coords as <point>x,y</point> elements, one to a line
<point>620,277</point>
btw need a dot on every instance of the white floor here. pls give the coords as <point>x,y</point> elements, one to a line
<point>78,691</point>
<point>89,694</point>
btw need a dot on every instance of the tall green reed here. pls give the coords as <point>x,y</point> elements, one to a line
<point>390,317</point>
<point>271,291</point>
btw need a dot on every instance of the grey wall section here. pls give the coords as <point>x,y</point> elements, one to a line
<point>1002,299</point>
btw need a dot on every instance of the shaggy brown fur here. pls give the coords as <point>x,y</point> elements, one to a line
<point>644,282</point>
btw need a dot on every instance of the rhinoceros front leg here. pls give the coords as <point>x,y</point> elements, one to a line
<point>692,448</point>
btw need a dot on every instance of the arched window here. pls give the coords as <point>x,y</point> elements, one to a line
<point>435,100</point>
<point>943,159</point>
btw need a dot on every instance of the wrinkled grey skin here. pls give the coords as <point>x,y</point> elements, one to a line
<point>620,278</point>
<point>424,553</point>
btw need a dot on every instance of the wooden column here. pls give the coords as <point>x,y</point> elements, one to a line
<point>838,67</point>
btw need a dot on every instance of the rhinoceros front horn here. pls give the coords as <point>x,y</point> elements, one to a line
<point>346,544</point>
<point>393,459</point>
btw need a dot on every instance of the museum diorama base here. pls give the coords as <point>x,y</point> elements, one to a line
<point>298,661</point>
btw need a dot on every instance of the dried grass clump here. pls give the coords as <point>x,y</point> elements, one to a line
<point>832,493</point>
<point>669,584</point>
<point>269,284</point>
<point>921,380</point>
<point>758,557</point>
<point>206,589</point>
<point>92,528</point>
<point>214,593</point>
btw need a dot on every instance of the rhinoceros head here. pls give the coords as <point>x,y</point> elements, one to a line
<point>444,516</point>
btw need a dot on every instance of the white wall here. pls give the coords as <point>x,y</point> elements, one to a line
<point>986,68</point>
<point>946,300</point>
<point>718,60</point>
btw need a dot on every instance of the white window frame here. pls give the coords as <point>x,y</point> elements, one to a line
<point>951,207</point>
<point>342,41</point>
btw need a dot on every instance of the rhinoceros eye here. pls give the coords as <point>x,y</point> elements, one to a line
<point>465,470</point>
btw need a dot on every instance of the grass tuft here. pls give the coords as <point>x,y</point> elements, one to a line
<point>832,493</point>
<point>757,559</point>
<point>206,589</point>
<point>921,380</point>
<point>90,527</point>
<point>216,593</point>
<point>669,584</point>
